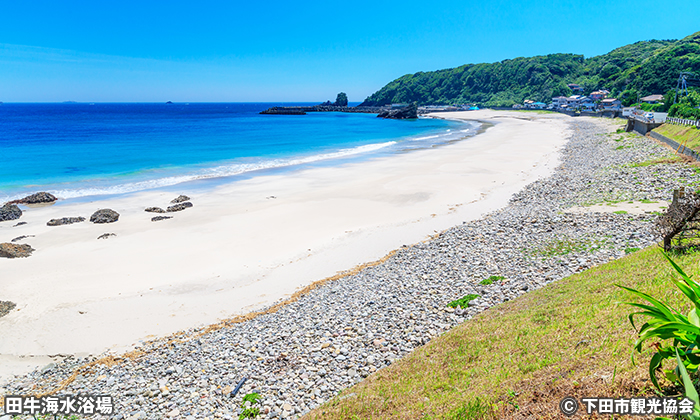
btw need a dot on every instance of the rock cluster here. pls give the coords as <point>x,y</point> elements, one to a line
<point>65,221</point>
<point>19,238</point>
<point>36,198</point>
<point>179,203</point>
<point>407,112</point>
<point>179,199</point>
<point>329,339</point>
<point>179,207</point>
<point>10,250</point>
<point>5,307</point>
<point>106,235</point>
<point>10,212</point>
<point>104,216</point>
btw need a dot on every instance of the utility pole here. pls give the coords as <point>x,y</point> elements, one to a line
<point>682,84</point>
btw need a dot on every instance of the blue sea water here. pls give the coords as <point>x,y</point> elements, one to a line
<point>77,150</point>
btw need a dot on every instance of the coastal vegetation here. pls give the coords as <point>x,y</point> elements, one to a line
<point>686,107</point>
<point>570,338</point>
<point>639,69</point>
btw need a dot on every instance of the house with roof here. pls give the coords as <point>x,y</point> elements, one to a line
<point>611,104</point>
<point>587,103</point>
<point>559,101</point>
<point>599,95</point>
<point>530,104</point>
<point>574,101</point>
<point>652,99</point>
<point>574,87</point>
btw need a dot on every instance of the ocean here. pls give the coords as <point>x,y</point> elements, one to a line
<point>79,150</point>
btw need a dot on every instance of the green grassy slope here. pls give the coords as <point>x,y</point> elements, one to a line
<point>519,359</point>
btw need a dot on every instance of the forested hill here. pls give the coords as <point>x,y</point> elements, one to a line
<point>646,67</point>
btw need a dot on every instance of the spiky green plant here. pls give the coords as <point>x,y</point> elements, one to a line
<point>666,323</point>
<point>690,391</point>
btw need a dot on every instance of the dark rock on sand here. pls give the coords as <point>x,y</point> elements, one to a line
<point>104,216</point>
<point>9,212</point>
<point>20,224</point>
<point>65,221</point>
<point>106,235</point>
<point>157,218</point>
<point>155,210</point>
<point>19,238</point>
<point>5,307</point>
<point>179,207</point>
<point>180,199</point>
<point>407,112</point>
<point>37,198</point>
<point>9,250</point>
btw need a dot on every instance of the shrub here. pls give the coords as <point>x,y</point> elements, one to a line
<point>684,111</point>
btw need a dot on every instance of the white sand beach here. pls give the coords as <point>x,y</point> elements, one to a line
<point>239,248</point>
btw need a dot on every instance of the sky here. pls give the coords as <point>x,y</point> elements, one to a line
<point>287,51</point>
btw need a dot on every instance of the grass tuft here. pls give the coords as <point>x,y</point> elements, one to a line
<point>463,302</point>
<point>491,279</point>
<point>476,409</point>
<point>651,162</point>
<point>565,246</point>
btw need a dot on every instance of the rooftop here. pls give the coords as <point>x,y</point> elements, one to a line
<point>652,98</point>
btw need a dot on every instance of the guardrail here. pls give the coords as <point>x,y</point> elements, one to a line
<point>681,121</point>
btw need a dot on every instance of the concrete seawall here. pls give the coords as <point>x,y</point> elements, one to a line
<point>681,149</point>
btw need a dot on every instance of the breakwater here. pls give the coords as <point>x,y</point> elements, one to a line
<point>302,110</point>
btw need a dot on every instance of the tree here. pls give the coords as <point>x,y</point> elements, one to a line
<point>341,99</point>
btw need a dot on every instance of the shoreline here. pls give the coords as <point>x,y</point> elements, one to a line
<point>213,170</point>
<point>345,330</point>
<point>168,295</point>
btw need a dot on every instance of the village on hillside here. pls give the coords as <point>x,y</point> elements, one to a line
<point>597,101</point>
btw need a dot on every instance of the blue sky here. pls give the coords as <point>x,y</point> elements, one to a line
<point>233,51</point>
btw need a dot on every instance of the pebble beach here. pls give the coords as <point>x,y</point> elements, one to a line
<point>302,353</point>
